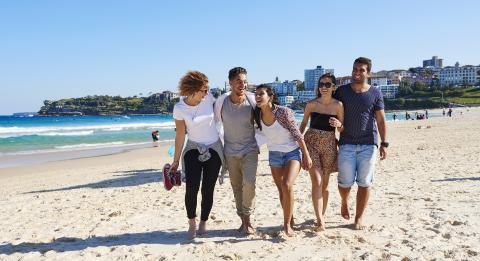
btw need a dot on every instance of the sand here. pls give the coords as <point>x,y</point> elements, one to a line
<point>424,206</point>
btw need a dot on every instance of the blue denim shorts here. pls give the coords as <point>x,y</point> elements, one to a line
<point>279,159</point>
<point>356,163</point>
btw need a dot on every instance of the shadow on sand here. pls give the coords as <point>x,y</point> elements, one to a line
<point>457,179</point>
<point>65,244</point>
<point>125,179</point>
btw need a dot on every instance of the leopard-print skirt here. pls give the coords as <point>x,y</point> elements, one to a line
<point>322,146</point>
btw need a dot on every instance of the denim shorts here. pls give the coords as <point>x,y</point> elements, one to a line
<point>356,163</point>
<point>279,159</point>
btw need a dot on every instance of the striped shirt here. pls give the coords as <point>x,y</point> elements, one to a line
<point>360,126</point>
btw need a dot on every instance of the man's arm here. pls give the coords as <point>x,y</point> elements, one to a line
<point>382,129</point>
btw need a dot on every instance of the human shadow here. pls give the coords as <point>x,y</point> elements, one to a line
<point>457,179</point>
<point>66,244</point>
<point>128,178</point>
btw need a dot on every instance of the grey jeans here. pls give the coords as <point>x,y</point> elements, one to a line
<point>243,173</point>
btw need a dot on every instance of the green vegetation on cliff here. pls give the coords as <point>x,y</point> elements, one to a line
<point>422,98</point>
<point>110,105</point>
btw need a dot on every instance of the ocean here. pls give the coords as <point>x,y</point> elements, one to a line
<point>27,140</point>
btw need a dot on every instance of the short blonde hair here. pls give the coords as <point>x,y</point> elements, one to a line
<point>192,82</point>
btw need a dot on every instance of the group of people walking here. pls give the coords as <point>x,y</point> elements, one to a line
<point>224,134</point>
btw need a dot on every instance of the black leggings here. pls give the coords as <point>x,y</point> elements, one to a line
<point>193,174</point>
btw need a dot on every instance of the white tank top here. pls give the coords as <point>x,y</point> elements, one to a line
<point>278,138</point>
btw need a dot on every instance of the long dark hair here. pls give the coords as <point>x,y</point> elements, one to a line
<point>326,75</point>
<point>257,110</point>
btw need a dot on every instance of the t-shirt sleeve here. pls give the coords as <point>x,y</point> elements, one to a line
<point>177,113</point>
<point>379,104</point>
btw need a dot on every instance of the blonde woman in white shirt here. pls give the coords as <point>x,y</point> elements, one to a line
<point>202,156</point>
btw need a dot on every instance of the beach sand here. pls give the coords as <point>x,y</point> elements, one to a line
<point>424,205</point>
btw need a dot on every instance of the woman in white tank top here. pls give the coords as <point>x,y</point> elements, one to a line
<point>284,142</point>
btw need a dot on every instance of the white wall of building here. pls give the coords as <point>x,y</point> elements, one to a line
<point>460,75</point>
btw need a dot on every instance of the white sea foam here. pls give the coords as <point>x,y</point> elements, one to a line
<point>73,133</point>
<point>91,145</point>
<point>113,129</point>
<point>6,132</point>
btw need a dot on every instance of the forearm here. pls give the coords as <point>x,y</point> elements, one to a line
<point>303,147</point>
<point>382,130</point>
<point>179,141</point>
<point>303,125</point>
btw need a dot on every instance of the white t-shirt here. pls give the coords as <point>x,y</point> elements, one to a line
<point>278,138</point>
<point>198,119</point>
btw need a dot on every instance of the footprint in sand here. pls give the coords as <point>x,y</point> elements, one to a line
<point>456,223</point>
<point>361,240</point>
<point>471,253</point>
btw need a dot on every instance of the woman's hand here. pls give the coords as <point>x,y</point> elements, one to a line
<point>174,166</point>
<point>306,162</point>
<point>334,122</point>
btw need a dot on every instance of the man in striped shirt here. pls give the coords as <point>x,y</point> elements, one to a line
<point>358,145</point>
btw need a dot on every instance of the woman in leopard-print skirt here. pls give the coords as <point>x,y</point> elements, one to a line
<point>326,115</point>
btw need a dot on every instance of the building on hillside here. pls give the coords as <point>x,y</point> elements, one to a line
<point>460,75</point>
<point>304,96</point>
<point>312,76</point>
<point>168,95</point>
<point>343,80</point>
<point>379,81</point>
<point>434,62</point>
<point>284,88</point>
<point>285,100</point>
<point>389,91</point>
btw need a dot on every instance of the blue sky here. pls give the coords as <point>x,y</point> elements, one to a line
<point>61,49</point>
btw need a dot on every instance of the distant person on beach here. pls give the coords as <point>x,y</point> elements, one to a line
<point>287,151</point>
<point>394,116</point>
<point>426,114</point>
<point>202,156</point>
<point>155,135</point>
<point>326,115</point>
<point>364,115</point>
<point>443,112</point>
<point>234,110</point>
<point>407,115</point>
<point>450,112</point>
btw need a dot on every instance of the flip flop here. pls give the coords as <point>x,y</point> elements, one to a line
<point>167,182</point>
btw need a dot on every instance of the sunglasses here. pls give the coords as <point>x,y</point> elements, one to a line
<point>325,84</point>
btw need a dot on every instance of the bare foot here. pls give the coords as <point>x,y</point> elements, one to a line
<point>292,224</point>
<point>344,211</point>
<point>359,224</point>
<point>192,229</point>
<point>249,230</point>
<point>202,227</point>
<point>247,226</point>
<point>289,231</point>
<point>320,226</point>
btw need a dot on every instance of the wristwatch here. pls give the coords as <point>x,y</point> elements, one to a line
<point>384,144</point>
